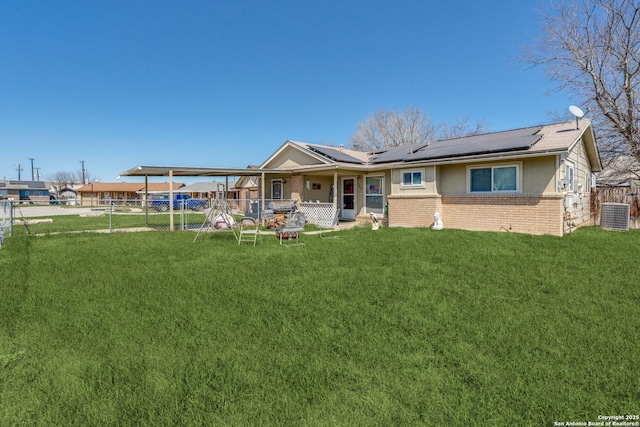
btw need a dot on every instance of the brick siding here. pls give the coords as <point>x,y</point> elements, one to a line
<point>521,213</point>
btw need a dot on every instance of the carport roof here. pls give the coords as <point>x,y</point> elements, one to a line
<point>198,171</point>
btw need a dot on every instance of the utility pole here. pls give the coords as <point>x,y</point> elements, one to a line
<point>37,173</point>
<point>83,179</point>
<point>19,169</point>
<point>32,176</point>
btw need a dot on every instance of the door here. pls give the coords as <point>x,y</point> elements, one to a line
<point>348,198</point>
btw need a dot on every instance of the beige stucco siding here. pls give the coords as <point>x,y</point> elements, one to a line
<point>576,196</point>
<point>537,175</point>
<point>290,157</point>
<point>453,179</point>
<point>578,157</point>
<point>319,188</point>
<point>428,181</point>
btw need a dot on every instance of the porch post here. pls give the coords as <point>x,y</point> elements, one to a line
<point>146,199</point>
<point>262,194</point>
<point>335,190</point>
<point>171,200</point>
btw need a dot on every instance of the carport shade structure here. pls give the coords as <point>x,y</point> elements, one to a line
<point>192,171</point>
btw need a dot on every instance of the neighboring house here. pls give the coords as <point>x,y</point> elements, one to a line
<point>248,186</point>
<point>532,180</point>
<point>26,191</point>
<point>621,171</point>
<point>210,190</point>
<point>125,192</point>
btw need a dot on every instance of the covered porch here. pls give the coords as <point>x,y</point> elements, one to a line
<point>313,191</point>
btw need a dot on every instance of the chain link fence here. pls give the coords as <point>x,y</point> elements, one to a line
<point>129,215</point>
<point>6,220</point>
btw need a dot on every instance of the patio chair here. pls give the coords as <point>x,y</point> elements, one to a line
<point>328,227</point>
<point>292,229</point>
<point>249,230</point>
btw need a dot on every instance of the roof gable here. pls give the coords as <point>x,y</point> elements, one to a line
<point>292,154</point>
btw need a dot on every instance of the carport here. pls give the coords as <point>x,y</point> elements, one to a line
<point>189,171</point>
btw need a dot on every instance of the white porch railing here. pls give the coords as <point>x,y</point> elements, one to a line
<point>318,213</point>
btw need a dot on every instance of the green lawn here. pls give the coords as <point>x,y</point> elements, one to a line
<point>393,327</point>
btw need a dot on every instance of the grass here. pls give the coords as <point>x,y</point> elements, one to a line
<point>394,327</point>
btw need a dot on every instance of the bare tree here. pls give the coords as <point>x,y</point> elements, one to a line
<point>592,48</point>
<point>390,128</point>
<point>462,127</point>
<point>88,177</point>
<point>62,179</point>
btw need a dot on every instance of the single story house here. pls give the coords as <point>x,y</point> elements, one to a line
<point>210,190</point>
<point>125,192</point>
<point>620,171</point>
<point>534,180</point>
<point>26,191</point>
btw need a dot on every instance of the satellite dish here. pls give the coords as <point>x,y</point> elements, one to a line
<point>576,111</point>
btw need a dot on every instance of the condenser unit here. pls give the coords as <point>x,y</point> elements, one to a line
<point>615,216</point>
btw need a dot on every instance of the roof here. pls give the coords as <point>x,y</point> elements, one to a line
<point>533,140</point>
<point>524,142</point>
<point>126,187</point>
<point>196,171</point>
<point>24,185</point>
<point>339,154</point>
<point>620,171</point>
<point>206,187</point>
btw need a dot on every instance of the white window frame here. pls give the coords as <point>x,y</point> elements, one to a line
<point>412,185</point>
<point>380,194</point>
<point>517,166</point>
<point>570,175</point>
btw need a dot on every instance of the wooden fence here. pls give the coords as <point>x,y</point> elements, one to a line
<point>628,195</point>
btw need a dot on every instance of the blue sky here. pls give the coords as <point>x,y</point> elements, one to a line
<point>225,83</point>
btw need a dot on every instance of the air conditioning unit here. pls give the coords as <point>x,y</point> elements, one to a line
<point>615,216</point>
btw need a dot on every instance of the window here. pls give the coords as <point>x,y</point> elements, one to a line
<point>276,189</point>
<point>374,198</point>
<point>411,178</point>
<point>569,176</point>
<point>493,179</point>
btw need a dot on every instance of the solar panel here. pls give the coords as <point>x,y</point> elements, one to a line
<point>334,154</point>
<point>397,154</point>
<point>519,139</point>
<point>29,184</point>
